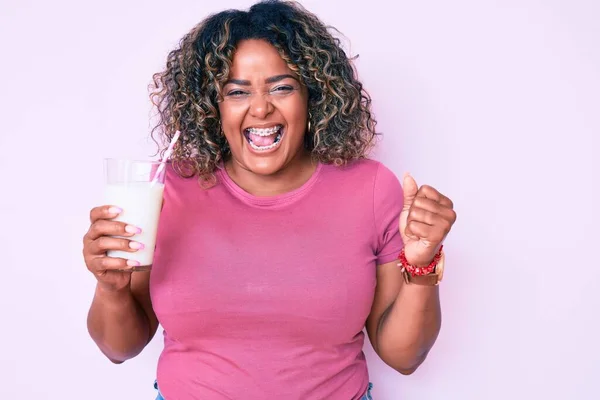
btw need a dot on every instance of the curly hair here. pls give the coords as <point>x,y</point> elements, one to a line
<point>187,92</point>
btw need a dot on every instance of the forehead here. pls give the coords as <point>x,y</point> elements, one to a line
<point>257,58</point>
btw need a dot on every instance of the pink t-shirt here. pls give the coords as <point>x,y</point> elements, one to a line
<point>267,297</point>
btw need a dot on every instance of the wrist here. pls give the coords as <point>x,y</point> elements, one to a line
<point>428,275</point>
<point>111,293</point>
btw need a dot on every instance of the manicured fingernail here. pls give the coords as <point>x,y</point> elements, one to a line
<point>115,210</point>
<point>132,229</point>
<point>133,263</point>
<point>136,245</point>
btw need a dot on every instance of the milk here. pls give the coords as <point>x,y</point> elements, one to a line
<point>141,203</point>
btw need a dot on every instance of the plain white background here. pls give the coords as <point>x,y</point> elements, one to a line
<point>495,103</point>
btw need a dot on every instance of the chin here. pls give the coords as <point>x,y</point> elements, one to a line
<point>264,165</point>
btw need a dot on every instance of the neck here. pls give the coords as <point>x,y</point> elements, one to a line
<point>290,177</point>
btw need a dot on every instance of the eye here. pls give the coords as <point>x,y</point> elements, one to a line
<point>236,93</point>
<point>283,89</point>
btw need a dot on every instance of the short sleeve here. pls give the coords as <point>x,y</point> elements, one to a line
<point>388,199</point>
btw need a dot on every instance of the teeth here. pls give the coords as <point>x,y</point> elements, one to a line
<point>264,148</point>
<point>264,132</point>
<point>255,147</point>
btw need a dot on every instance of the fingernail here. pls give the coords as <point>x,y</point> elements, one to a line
<point>132,229</point>
<point>136,245</point>
<point>133,263</point>
<point>115,210</point>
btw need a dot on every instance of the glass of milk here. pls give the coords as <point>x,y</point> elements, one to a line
<point>136,188</point>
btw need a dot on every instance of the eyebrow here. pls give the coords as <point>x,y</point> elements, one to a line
<point>272,79</point>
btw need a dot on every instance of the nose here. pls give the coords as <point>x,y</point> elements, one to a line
<point>260,106</point>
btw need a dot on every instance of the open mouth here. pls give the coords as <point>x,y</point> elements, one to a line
<point>264,139</point>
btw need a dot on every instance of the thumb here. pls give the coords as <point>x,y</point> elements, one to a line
<point>410,189</point>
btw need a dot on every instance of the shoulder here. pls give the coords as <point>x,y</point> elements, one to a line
<point>383,182</point>
<point>364,167</point>
<point>179,170</point>
<point>386,178</point>
<point>386,186</point>
<point>179,179</point>
<point>365,171</point>
<point>366,181</point>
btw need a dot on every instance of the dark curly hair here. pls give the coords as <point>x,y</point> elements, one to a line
<point>186,93</point>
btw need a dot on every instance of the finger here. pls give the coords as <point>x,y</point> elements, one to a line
<point>410,234</point>
<point>410,188</point>
<point>434,207</point>
<point>429,192</point>
<point>438,226</point>
<point>421,215</point>
<point>103,264</point>
<point>425,231</point>
<point>443,221</point>
<point>446,202</point>
<point>104,212</point>
<point>104,227</point>
<point>105,243</point>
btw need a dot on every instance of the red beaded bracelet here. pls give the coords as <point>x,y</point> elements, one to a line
<point>419,271</point>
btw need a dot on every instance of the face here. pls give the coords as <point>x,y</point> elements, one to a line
<point>264,110</point>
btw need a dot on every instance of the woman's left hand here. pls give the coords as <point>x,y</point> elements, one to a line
<point>425,220</point>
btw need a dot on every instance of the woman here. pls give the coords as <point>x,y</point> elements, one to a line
<point>279,240</point>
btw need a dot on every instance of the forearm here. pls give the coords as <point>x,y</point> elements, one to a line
<point>117,324</point>
<point>409,328</point>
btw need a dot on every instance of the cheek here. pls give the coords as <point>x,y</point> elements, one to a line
<point>225,114</point>
<point>230,127</point>
<point>296,114</point>
<point>231,117</point>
